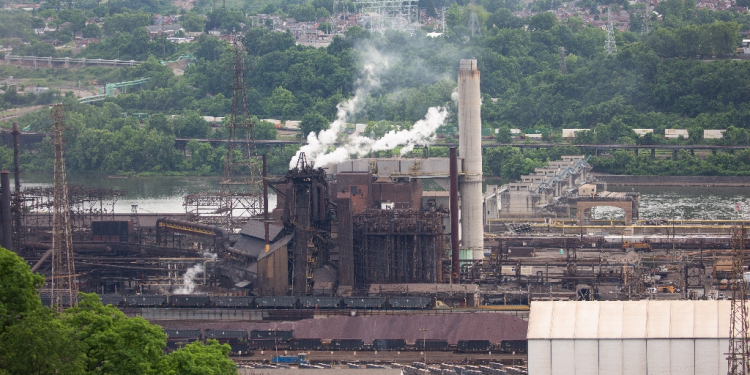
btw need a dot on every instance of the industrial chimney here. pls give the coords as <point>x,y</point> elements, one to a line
<point>470,148</point>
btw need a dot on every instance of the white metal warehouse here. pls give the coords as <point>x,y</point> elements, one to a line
<point>628,337</point>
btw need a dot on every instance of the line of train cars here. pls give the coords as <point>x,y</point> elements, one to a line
<point>242,343</point>
<point>275,302</point>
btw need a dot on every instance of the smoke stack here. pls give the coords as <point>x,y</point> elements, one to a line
<point>470,146</point>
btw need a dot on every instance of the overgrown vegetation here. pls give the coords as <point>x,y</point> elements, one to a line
<point>89,338</point>
<point>657,81</point>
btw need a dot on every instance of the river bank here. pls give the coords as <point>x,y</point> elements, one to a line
<point>627,180</point>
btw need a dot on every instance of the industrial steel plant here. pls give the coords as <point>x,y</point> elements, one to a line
<point>361,258</point>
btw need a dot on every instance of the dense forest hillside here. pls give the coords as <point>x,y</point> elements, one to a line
<point>681,74</point>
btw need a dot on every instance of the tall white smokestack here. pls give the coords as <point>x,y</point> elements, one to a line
<point>470,148</point>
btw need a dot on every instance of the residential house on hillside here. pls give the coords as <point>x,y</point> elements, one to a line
<point>169,30</point>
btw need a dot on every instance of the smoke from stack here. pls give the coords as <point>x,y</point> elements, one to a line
<point>319,146</point>
<point>188,279</point>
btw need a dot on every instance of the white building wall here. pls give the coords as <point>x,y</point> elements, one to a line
<point>683,356</point>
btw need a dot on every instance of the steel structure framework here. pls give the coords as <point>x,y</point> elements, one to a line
<point>85,205</point>
<point>240,197</point>
<point>397,246</point>
<point>63,286</point>
<point>388,14</point>
<point>738,356</point>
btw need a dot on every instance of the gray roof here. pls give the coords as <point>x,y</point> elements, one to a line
<point>156,28</point>
<point>255,228</point>
<point>275,246</point>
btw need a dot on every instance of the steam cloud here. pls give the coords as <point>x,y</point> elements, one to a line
<point>188,279</point>
<point>318,146</point>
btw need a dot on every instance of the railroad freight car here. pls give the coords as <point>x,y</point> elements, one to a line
<point>388,344</point>
<point>111,299</point>
<point>419,303</point>
<point>238,348</point>
<point>277,302</point>
<point>514,346</point>
<point>431,344</point>
<point>271,334</point>
<point>225,334</point>
<point>473,345</point>
<point>364,302</point>
<point>320,302</point>
<point>146,300</point>
<point>232,301</point>
<point>182,333</point>
<point>189,300</point>
<point>305,344</point>
<point>347,344</point>
<point>265,344</point>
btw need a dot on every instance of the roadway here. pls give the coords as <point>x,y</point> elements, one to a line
<point>26,138</point>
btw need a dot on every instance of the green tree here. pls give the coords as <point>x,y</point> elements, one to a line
<point>114,343</point>
<point>18,294</point>
<point>282,103</point>
<point>193,21</point>
<point>198,358</point>
<point>40,344</point>
<point>265,130</point>
<point>313,122</point>
<point>91,30</point>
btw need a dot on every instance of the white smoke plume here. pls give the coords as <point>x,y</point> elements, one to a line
<point>318,146</point>
<point>188,279</point>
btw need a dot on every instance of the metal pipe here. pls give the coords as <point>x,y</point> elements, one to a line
<point>265,204</point>
<point>39,263</point>
<point>16,230</point>
<point>6,223</point>
<point>16,162</point>
<point>455,261</point>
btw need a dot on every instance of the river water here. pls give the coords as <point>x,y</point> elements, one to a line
<point>165,195</point>
<point>151,194</point>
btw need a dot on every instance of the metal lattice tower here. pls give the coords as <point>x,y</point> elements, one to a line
<point>645,21</point>
<point>241,167</point>
<point>609,44</point>
<point>563,67</point>
<point>64,289</point>
<point>388,14</point>
<point>474,22</point>
<point>738,335</point>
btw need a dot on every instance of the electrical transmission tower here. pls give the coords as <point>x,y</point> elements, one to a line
<point>738,339</point>
<point>240,197</point>
<point>63,283</point>
<point>563,67</point>
<point>609,44</point>
<point>645,20</point>
<point>474,22</point>
<point>241,167</point>
<point>388,14</point>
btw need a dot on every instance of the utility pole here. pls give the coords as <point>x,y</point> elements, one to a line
<point>63,282</point>
<point>609,44</point>
<point>738,339</point>
<point>424,344</point>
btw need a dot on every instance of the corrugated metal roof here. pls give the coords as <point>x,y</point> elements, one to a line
<point>629,319</point>
<point>255,228</point>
